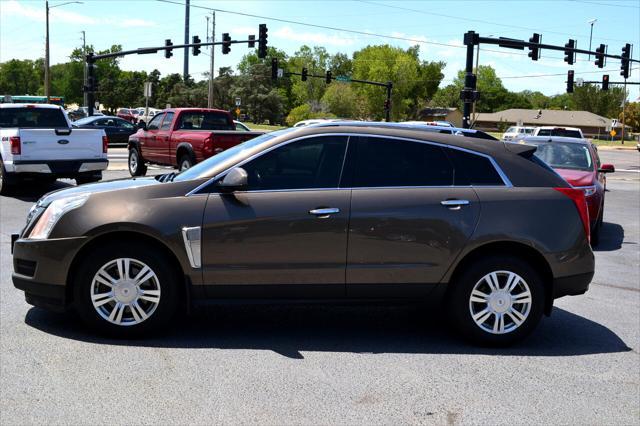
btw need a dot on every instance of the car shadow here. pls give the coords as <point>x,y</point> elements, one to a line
<point>611,237</point>
<point>32,191</point>
<point>291,330</point>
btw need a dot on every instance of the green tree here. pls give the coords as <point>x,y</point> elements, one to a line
<point>20,77</point>
<point>607,103</point>
<point>631,116</point>
<point>341,100</point>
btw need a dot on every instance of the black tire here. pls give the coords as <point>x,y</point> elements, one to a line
<point>186,162</point>
<point>136,163</point>
<point>460,305</point>
<point>148,255</point>
<point>7,181</point>
<point>597,228</point>
<point>96,177</point>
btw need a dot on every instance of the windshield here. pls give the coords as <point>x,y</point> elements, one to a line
<point>567,133</point>
<point>208,166</point>
<point>511,130</point>
<point>562,155</point>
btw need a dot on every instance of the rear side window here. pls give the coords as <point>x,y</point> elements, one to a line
<point>473,169</point>
<point>32,118</point>
<point>391,162</point>
<point>205,120</point>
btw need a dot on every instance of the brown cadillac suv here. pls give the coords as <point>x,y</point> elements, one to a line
<point>332,212</point>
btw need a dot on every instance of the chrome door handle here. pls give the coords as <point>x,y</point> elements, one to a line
<point>454,204</point>
<point>324,212</point>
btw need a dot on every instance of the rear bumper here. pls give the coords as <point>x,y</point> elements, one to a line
<point>572,285</point>
<point>62,168</point>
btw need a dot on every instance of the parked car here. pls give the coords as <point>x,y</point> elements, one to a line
<point>355,213</point>
<point>182,137</point>
<point>431,123</point>
<point>517,132</point>
<point>146,118</point>
<point>241,126</point>
<point>567,132</point>
<point>577,161</point>
<point>309,122</point>
<point>82,112</point>
<point>472,133</point>
<point>130,115</point>
<point>117,129</point>
<point>38,142</point>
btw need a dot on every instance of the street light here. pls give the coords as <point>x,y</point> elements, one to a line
<point>593,21</point>
<point>47,77</point>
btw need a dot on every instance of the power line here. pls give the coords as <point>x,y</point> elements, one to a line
<point>605,4</point>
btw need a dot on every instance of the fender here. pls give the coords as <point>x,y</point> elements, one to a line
<point>184,146</point>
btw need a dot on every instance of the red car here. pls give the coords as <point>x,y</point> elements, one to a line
<point>128,114</point>
<point>577,161</point>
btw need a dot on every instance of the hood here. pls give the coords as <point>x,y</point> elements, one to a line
<point>577,177</point>
<point>94,188</point>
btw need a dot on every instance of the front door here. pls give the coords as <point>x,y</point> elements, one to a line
<point>408,220</point>
<point>149,142</point>
<point>286,235</point>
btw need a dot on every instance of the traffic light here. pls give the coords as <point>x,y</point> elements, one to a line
<point>569,54</point>
<point>195,49</point>
<point>570,81</point>
<point>305,73</point>
<point>328,77</point>
<point>600,52</point>
<point>274,68</point>
<point>624,62</point>
<point>252,41</point>
<point>534,51</point>
<point>387,104</point>
<point>262,41</point>
<point>226,43</point>
<point>168,52</point>
<point>605,82</point>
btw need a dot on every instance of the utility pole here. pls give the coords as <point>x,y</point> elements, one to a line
<point>624,100</point>
<point>211,68</point>
<point>593,21</point>
<point>185,72</point>
<point>46,55</point>
<point>84,54</point>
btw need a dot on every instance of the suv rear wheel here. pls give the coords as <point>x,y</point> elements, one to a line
<point>126,290</point>
<point>497,301</point>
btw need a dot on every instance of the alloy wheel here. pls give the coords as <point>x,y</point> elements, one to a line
<point>125,292</point>
<point>500,302</point>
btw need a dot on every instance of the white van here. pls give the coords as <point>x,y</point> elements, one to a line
<point>517,132</point>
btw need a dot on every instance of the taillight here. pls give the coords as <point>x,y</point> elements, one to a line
<point>580,201</point>
<point>16,147</point>
<point>207,146</point>
<point>105,144</point>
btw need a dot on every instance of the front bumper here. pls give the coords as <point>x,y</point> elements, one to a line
<point>41,269</point>
<point>62,168</point>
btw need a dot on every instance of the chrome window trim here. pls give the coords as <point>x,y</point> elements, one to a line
<point>498,169</point>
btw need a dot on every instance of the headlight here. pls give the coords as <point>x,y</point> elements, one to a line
<point>53,213</point>
<point>588,190</point>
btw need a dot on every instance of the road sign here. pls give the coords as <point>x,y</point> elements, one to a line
<point>147,89</point>
<point>238,103</point>
<point>612,133</point>
<point>97,105</point>
<point>343,78</point>
<point>280,73</point>
<point>237,111</point>
<point>579,82</point>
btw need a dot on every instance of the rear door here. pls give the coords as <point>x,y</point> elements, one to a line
<point>408,220</point>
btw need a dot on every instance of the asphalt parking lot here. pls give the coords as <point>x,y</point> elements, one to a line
<point>345,364</point>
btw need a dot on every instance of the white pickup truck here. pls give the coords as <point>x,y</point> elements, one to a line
<point>38,142</point>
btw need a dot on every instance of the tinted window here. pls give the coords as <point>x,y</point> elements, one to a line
<point>391,162</point>
<point>472,169</point>
<point>155,122</point>
<point>562,155</point>
<point>32,118</point>
<point>166,124</point>
<point>205,120</point>
<point>309,163</point>
<point>560,132</point>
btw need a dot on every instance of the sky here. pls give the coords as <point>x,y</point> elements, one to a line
<point>436,26</point>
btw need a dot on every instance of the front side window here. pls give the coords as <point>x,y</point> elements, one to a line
<point>168,119</point>
<point>155,122</point>
<point>392,162</point>
<point>305,164</point>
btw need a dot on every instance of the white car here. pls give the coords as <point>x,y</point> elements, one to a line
<point>567,132</point>
<point>38,142</point>
<point>517,132</point>
<point>309,122</point>
<point>145,118</point>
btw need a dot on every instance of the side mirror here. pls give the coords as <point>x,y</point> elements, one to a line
<point>607,168</point>
<point>142,125</point>
<point>237,179</point>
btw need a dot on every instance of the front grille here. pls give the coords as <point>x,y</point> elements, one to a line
<point>25,267</point>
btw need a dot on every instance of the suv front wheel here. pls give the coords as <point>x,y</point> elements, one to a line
<point>497,301</point>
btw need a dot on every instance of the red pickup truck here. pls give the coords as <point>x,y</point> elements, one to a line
<point>182,137</point>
